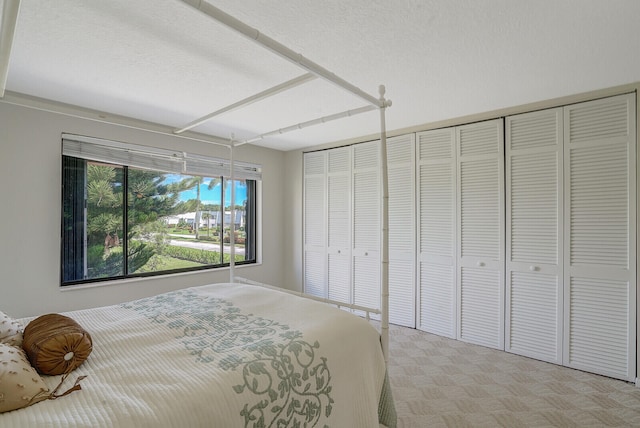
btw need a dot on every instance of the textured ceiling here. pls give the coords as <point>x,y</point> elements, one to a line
<point>165,62</point>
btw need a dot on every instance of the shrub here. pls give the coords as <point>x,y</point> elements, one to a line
<point>198,256</point>
<point>193,254</point>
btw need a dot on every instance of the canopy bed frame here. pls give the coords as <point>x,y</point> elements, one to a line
<point>184,327</point>
<point>314,70</point>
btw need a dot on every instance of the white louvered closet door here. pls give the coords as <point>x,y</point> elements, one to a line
<point>534,235</point>
<point>436,160</point>
<point>366,225</point>
<point>402,236</point>
<point>600,246</point>
<point>339,224</point>
<point>480,153</point>
<point>315,250</point>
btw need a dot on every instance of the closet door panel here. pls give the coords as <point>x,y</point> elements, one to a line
<point>366,225</point>
<point>366,281</point>
<point>338,275</point>
<point>533,313</point>
<point>534,236</point>
<point>315,250</point>
<point>599,327</point>
<point>402,236</point>
<point>315,275</point>
<point>482,320</point>
<point>600,251</point>
<point>339,224</point>
<point>438,299</point>
<point>480,224</point>
<point>436,160</point>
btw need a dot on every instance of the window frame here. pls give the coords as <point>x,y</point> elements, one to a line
<point>78,143</point>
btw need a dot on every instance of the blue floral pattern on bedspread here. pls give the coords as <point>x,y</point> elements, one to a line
<point>289,382</point>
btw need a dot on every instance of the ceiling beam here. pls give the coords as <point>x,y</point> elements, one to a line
<point>9,20</point>
<point>250,100</point>
<point>279,49</point>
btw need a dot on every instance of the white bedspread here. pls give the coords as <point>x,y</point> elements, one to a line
<point>221,355</point>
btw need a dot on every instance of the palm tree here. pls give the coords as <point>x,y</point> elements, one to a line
<point>213,183</point>
<point>196,182</point>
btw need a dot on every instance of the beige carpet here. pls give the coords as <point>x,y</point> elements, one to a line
<point>438,382</point>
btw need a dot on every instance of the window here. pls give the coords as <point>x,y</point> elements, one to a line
<point>130,211</point>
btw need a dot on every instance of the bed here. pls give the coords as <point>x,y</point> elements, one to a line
<point>222,355</point>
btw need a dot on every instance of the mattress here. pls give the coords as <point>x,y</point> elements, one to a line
<point>222,355</point>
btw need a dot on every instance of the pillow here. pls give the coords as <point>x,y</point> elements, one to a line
<point>10,330</point>
<point>56,344</point>
<point>20,384</point>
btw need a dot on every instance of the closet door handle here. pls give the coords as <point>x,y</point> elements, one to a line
<point>480,264</point>
<point>533,268</point>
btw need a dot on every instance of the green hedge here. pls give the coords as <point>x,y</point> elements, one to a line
<point>198,256</point>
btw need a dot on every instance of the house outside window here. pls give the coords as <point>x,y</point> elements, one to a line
<point>130,211</point>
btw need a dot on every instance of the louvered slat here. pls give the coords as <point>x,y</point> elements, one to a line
<point>437,226</point>
<point>402,283</point>
<point>600,279</point>
<point>480,226</point>
<point>534,208</point>
<point>600,120</point>
<point>314,163</point>
<point>437,215</point>
<point>401,292</point>
<point>365,210</point>
<point>314,273</point>
<point>400,150</point>
<point>479,139</point>
<point>533,130</point>
<point>480,208</point>
<point>366,281</point>
<point>533,315</point>
<point>599,326</point>
<point>339,216</point>
<point>366,197</point>
<point>339,224</point>
<point>534,234</point>
<point>314,211</point>
<point>339,160</point>
<point>366,225</point>
<point>339,287</point>
<point>434,145</point>
<point>599,206</point>
<point>437,299</point>
<point>315,265</point>
<point>365,155</point>
<point>480,307</point>
<point>401,208</point>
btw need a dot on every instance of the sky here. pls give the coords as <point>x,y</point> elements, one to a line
<point>208,196</point>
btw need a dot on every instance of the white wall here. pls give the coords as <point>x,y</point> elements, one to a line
<point>30,189</point>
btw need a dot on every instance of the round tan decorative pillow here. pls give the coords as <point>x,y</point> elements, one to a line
<point>56,344</point>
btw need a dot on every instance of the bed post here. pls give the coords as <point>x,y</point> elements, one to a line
<point>384,277</point>
<point>232,226</point>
